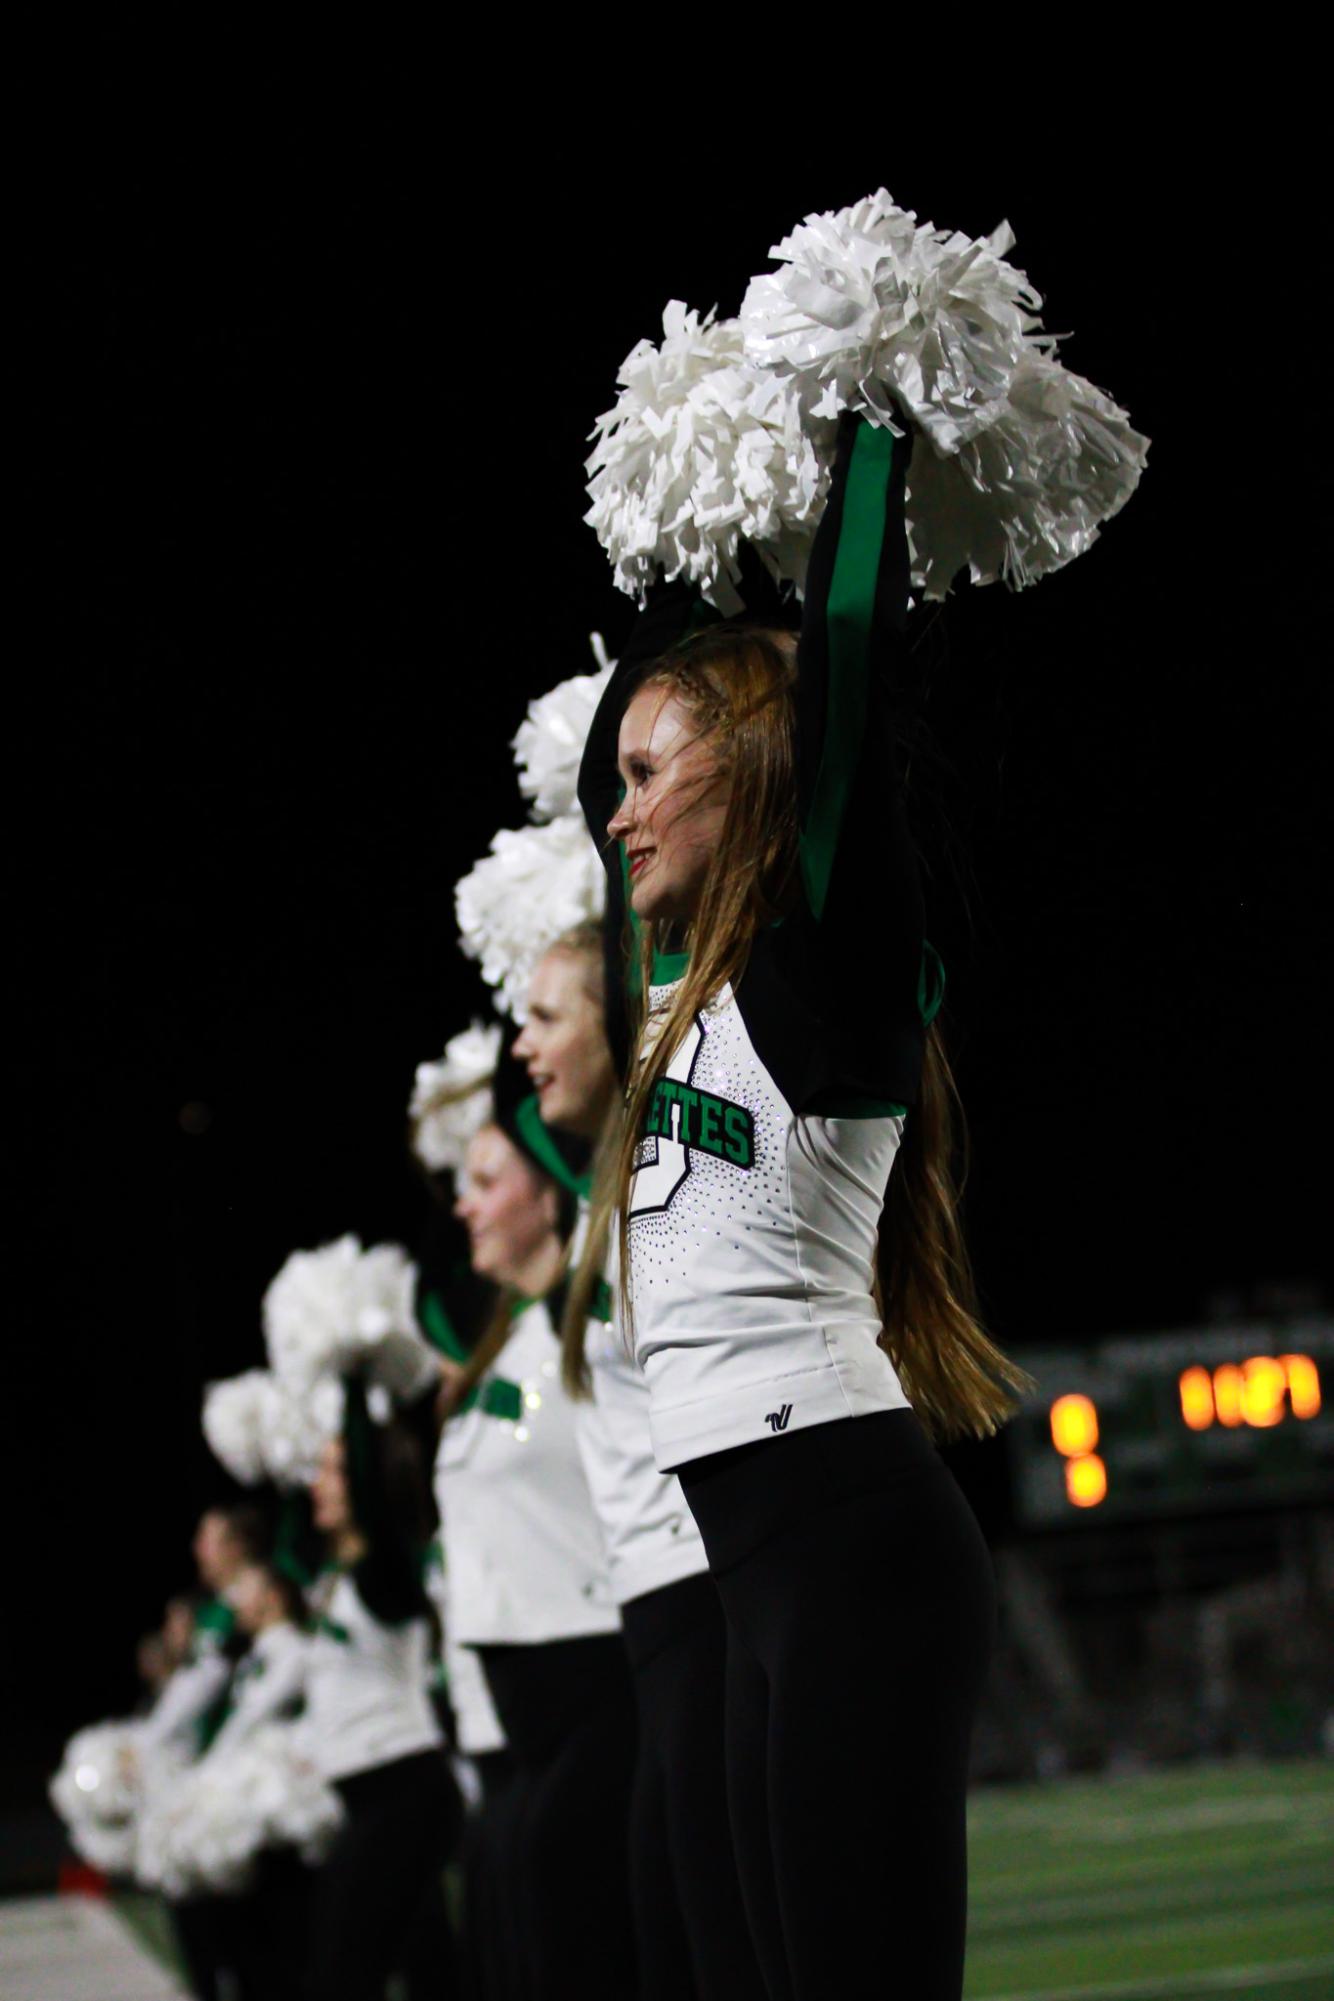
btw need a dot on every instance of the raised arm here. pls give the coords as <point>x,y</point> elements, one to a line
<point>389,1576</point>
<point>852,628</point>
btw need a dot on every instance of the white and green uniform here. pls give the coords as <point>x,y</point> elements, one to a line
<point>269,1685</point>
<point>753,1233</point>
<point>524,1559</point>
<point>764,1158</point>
<point>183,1716</point>
<point>366,1685</point>
<point>650,1534</point>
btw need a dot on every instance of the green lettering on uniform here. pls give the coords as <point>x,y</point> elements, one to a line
<point>740,1129</point>
<point>701,1120</point>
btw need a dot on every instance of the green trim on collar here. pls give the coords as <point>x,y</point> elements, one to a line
<point>216,1618</point>
<point>669,966</point>
<point>534,1136</point>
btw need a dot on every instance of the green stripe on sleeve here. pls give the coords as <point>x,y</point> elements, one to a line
<point>849,612</point>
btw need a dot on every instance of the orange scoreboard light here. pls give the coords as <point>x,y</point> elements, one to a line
<point>1182,1422</point>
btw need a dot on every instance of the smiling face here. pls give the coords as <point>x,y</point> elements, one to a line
<point>564,1045</point>
<point>675,804</point>
<point>509,1209</point>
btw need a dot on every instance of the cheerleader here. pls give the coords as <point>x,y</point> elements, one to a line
<point>690,1925</point>
<point>187,1713</point>
<point>194,1697</point>
<point>378,1899</point>
<point>265,1927</point>
<point>783,1065</point>
<point>528,1590</point>
<point>270,1679</point>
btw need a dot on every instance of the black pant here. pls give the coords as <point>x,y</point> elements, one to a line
<point>267,1928</point>
<point>377,1901</point>
<point>493,1968</point>
<point>690,1922</point>
<point>201,1927</point>
<point>568,1715</point>
<point>860,1603</point>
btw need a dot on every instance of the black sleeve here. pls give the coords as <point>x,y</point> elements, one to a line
<point>389,1576</point>
<point>833,995</point>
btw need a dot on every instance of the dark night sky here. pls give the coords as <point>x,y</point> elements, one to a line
<point>306,401</point>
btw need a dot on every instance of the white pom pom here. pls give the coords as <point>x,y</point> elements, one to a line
<point>327,1309</point>
<point>699,451</point>
<point>1027,495</point>
<point>873,310</point>
<point>450,1100</point>
<point>534,885</point>
<point>297,1427</point>
<point>101,1789</point>
<point>96,1792</point>
<point>551,738</point>
<point>201,1835</point>
<point>1017,461</point>
<point>233,1424</point>
<point>264,1429</point>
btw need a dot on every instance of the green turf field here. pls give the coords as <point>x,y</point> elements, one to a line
<point>1213,1880</point>
<point>1217,1880</point>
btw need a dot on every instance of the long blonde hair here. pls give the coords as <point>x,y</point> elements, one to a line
<point>732,680</point>
<point>739,684</point>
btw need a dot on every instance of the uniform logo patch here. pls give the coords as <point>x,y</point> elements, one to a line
<point>777,1419</point>
<point>682,1121</point>
<point>701,1119</point>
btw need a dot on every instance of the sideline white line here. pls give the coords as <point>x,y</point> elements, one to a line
<point>77,1949</point>
<point>1173,1984</point>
